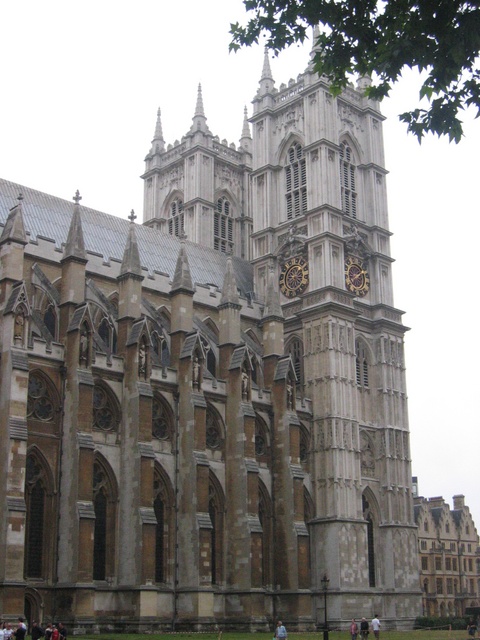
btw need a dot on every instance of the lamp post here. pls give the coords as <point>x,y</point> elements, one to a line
<point>325,582</point>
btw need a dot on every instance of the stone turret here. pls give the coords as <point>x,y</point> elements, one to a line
<point>12,244</point>
<point>181,295</point>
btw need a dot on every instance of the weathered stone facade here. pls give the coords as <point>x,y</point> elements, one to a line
<point>184,444</point>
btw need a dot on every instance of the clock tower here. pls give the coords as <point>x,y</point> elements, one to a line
<point>320,220</point>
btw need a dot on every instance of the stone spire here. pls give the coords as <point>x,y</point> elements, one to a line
<point>273,308</point>
<point>14,228</point>
<point>267,83</point>
<point>131,256</point>
<point>246,138</point>
<point>315,47</point>
<point>75,245</point>
<point>182,279</point>
<point>158,143</point>
<point>229,289</point>
<point>199,118</point>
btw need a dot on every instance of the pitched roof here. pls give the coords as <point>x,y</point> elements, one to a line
<point>49,217</point>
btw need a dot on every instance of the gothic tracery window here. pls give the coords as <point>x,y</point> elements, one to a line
<point>347,180</point>
<point>367,514</point>
<point>161,421</point>
<point>163,507</point>
<point>216,509</point>
<point>214,438</point>
<point>176,222</point>
<point>105,416</point>
<point>295,182</point>
<point>40,404</point>
<point>223,225</point>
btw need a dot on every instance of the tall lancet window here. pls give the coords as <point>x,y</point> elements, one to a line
<point>176,222</point>
<point>347,180</point>
<point>295,182</point>
<point>223,226</point>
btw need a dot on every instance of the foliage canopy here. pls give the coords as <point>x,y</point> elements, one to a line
<point>379,38</point>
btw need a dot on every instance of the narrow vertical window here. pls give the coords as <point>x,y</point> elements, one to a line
<point>295,182</point>
<point>159,508</point>
<point>176,222</point>
<point>35,499</point>
<point>100,530</point>
<point>223,226</point>
<point>361,365</point>
<point>348,181</point>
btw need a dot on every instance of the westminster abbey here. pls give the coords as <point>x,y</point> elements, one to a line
<point>204,413</point>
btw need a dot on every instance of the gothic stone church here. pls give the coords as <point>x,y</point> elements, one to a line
<point>204,416</point>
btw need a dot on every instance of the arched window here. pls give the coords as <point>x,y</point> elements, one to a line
<point>162,425</point>
<point>163,507</point>
<point>347,180</point>
<point>36,504</point>
<point>262,444</point>
<point>265,517</point>
<point>295,182</point>
<point>215,439</point>
<point>223,226</point>
<point>107,333</point>
<point>176,222</point>
<point>210,360</point>
<point>40,404</point>
<point>370,541</point>
<point>104,501</point>
<point>105,414</point>
<point>361,364</point>
<point>216,508</point>
<point>160,349</point>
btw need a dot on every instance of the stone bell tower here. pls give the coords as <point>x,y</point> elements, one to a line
<point>320,220</point>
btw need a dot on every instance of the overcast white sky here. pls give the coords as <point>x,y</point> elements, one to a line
<point>81,85</point>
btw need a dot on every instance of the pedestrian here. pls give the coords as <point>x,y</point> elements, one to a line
<point>364,629</point>
<point>376,627</point>
<point>281,632</point>
<point>62,631</point>
<point>8,631</point>
<point>55,633</point>
<point>21,630</point>
<point>37,631</point>
<point>353,629</point>
<point>48,631</point>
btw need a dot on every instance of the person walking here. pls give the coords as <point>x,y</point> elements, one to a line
<point>353,629</point>
<point>281,632</point>
<point>364,630</point>
<point>376,627</point>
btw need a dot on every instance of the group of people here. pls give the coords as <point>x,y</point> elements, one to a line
<point>51,632</point>
<point>365,627</point>
<point>7,630</point>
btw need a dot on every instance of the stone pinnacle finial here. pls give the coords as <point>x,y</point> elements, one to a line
<point>266,71</point>
<point>131,255</point>
<point>158,143</point>
<point>199,111</point>
<point>20,197</point>
<point>246,127</point>
<point>75,244</point>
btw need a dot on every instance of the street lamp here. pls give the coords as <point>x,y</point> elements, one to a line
<point>325,582</point>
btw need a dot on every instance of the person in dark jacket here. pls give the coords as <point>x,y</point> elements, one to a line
<point>37,631</point>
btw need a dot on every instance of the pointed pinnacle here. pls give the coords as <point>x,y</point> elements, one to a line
<point>246,127</point>
<point>199,111</point>
<point>266,71</point>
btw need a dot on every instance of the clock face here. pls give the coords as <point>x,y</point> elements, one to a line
<point>356,276</point>
<point>294,277</point>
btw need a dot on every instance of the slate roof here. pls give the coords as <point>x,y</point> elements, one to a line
<point>49,217</point>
